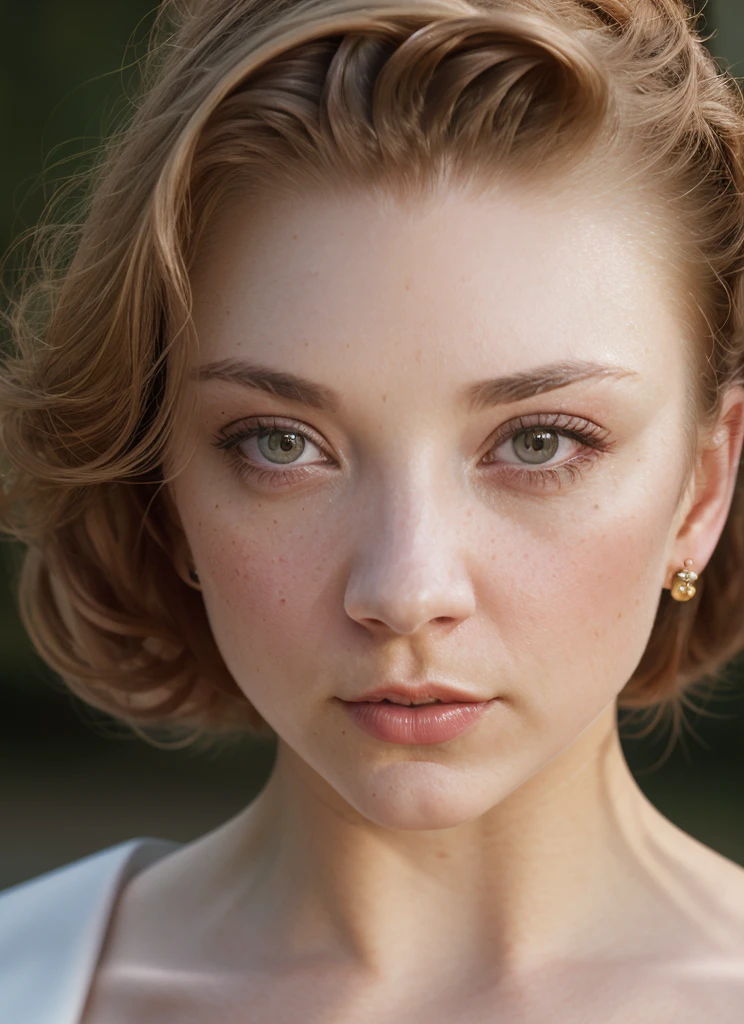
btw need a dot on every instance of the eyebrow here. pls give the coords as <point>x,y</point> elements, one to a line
<point>518,386</point>
<point>515,387</point>
<point>274,382</point>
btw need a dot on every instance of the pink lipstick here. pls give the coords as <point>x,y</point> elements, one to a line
<point>416,725</point>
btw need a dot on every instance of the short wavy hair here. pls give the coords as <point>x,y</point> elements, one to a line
<point>254,95</point>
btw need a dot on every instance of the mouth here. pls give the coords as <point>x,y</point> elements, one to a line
<point>406,704</point>
<point>419,706</point>
<point>417,695</point>
<point>434,721</point>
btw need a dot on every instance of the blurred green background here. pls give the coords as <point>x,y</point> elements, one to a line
<point>73,783</point>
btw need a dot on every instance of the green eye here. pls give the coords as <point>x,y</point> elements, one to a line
<point>280,446</point>
<point>535,445</point>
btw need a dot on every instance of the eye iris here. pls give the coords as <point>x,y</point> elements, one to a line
<point>281,445</point>
<point>536,444</point>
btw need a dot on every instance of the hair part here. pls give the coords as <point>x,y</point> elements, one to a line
<point>243,97</point>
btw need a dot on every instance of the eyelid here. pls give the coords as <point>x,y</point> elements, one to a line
<point>582,429</point>
<point>256,423</point>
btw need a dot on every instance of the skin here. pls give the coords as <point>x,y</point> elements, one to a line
<point>516,872</point>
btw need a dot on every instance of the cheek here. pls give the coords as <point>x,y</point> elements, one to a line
<point>575,602</point>
<point>264,592</point>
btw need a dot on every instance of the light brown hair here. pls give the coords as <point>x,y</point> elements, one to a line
<point>243,95</point>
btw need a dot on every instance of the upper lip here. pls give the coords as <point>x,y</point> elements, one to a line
<point>419,694</point>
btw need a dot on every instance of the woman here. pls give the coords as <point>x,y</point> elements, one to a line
<point>399,362</point>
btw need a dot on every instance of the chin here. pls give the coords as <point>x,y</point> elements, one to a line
<point>421,798</point>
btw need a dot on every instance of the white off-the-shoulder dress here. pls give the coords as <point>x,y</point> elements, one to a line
<point>52,929</point>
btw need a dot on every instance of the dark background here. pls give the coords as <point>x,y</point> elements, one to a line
<point>71,781</point>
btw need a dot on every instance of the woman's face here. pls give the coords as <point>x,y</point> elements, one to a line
<point>405,520</point>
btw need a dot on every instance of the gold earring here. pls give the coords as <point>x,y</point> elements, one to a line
<point>683,588</point>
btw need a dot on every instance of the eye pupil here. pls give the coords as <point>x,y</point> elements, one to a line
<point>536,444</point>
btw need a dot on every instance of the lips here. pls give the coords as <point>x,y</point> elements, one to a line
<point>435,723</point>
<point>403,702</point>
<point>426,693</point>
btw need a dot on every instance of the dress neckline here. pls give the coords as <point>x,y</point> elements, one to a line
<point>53,927</point>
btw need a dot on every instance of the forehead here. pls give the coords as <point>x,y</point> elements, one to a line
<point>511,273</point>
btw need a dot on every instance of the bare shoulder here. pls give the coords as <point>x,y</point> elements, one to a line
<point>707,982</point>
<point>685,961</point>
<point>153,966</point>
<point>711,982</point>
<point>708,890</point>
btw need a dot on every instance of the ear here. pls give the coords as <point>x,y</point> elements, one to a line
<point>711,488</point>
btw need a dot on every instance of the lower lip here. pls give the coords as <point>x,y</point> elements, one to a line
<point>427,723</point>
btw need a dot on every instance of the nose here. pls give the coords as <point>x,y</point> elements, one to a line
<point>409,570</point>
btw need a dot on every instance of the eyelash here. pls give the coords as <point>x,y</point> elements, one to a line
<point>228,444</point>
<point>592,438</point>
<point>589,435</point>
